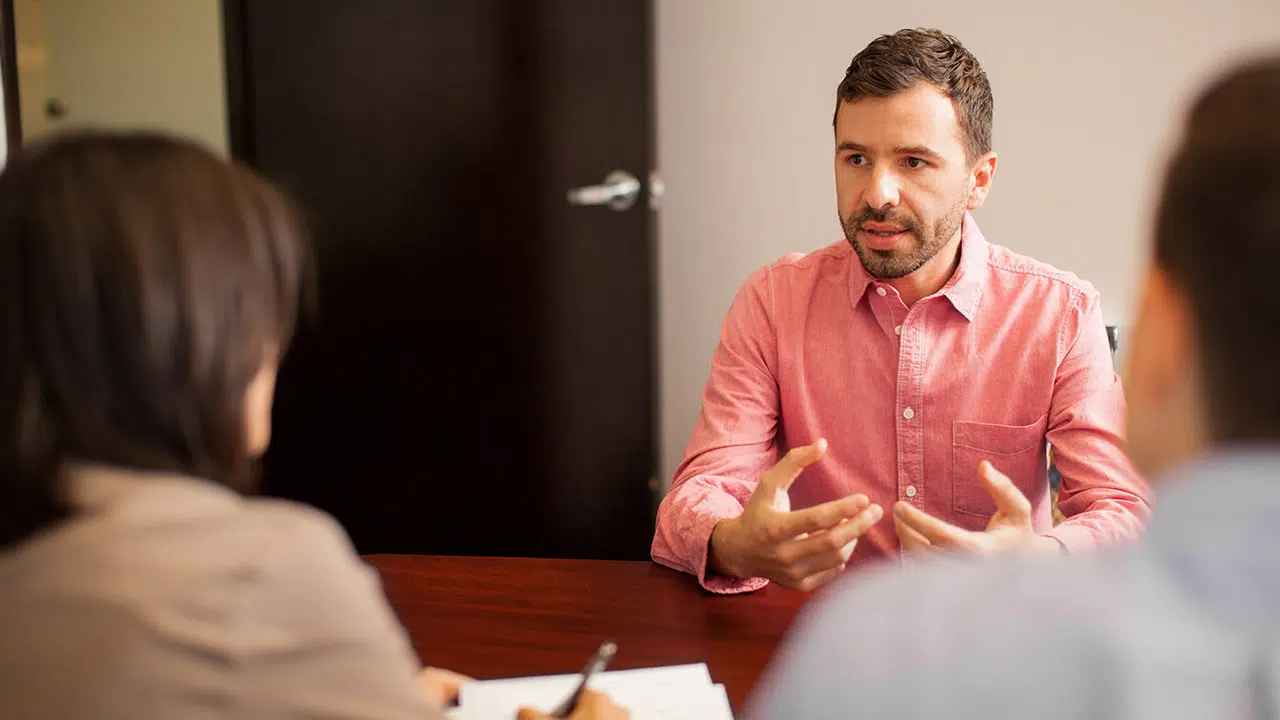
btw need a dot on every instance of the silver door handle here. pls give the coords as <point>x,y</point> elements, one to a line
<point>619,191</point>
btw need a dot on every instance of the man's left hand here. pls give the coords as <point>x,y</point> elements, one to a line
<point>1009,529</point>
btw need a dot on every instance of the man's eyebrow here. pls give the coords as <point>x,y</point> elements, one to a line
<point>920,150</point>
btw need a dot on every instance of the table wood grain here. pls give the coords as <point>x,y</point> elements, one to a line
<point>504,617</point>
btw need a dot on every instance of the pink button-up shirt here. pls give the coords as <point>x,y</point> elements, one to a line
<point>1009,357</point>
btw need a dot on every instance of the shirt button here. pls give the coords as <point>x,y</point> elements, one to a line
<point>881,292</point>
<point>911,491</point>
<point>897,329</point>
<point>908,413</point>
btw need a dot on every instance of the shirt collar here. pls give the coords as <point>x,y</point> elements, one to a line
<point>101,489</point>
<point>859,279</point>
<point>965,287</point>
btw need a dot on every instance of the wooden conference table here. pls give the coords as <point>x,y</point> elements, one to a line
<point>504,617</point>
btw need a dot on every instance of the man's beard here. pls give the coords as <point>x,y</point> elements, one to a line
<point>923,244</point>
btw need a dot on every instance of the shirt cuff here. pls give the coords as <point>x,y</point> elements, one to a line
<point>719,584</point>
<point>1074,539</point>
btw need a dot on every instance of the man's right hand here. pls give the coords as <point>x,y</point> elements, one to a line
<point>802,549</point>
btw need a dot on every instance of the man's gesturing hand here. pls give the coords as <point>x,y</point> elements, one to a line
<point>801,549</point>
<point>1010,528</point>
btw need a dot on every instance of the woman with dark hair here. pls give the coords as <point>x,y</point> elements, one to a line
<point>147,292</point>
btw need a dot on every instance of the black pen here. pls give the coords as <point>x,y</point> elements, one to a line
<point>597,663</point>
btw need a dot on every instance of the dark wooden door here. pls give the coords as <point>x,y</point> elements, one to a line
<point>478,376</point>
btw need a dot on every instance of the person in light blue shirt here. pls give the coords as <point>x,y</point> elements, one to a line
<point>1184,624</point>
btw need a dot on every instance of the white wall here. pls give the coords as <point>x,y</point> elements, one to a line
<point>1087,96</point>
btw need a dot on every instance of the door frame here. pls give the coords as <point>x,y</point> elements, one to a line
<point>9,77</point>
<point>235,62</point>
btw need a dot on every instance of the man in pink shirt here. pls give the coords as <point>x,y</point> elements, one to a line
<point>911,366</point>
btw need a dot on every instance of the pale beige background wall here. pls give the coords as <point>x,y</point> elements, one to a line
<point>155,64</point>
<point>33,66</point>
<point>1086,95</point>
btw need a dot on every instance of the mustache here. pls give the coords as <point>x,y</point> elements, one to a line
<point>883,214</point>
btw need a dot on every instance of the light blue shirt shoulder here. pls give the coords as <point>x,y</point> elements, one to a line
<point>1181,625</point>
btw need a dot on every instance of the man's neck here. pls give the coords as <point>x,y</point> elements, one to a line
<point>930,277</point>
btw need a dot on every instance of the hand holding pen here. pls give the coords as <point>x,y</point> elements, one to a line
<point>584,703</point>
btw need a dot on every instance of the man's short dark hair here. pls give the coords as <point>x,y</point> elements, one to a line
<point>1218,240</point>
<point>898,62</point>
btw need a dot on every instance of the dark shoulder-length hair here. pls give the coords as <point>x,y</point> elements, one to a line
<point>143,283</point>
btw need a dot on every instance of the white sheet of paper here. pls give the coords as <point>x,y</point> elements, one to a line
<point>663,693</point>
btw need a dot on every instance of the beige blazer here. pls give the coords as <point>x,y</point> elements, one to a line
<point>169,597</point>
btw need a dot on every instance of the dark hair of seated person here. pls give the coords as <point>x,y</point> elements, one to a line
<point>144,281</point>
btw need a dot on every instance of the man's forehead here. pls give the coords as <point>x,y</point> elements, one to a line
<point>919,116</point>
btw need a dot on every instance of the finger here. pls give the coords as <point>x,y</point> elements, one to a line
<point>825,550</point>
<point>785,471</point>
<point>910,539</point>
<point>598,706</point>
<point>1009,499</point>
<point>938,533</point>
<point>817,580</point>
<point>820,517</point>
<point>442,685</point>
<point>528,713</point>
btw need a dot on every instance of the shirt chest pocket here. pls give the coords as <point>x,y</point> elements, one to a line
<point>1018,451</point>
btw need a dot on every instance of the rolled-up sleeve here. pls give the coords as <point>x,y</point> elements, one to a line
<point>1103,497</point>
<point>733,442</point>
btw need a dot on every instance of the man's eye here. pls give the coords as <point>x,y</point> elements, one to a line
<point>915,163</point>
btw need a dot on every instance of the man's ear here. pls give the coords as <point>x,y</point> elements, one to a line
<point>1167,354</point>
<point>980,179</point>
